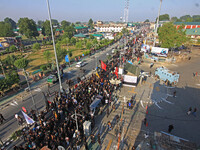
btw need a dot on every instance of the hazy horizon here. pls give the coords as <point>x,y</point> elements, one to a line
<point>104,10</point>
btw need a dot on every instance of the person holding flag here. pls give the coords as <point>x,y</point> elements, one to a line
<point>103,65</point>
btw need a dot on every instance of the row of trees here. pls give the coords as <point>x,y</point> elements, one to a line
<point>28,27</point>
<point>185,18</point>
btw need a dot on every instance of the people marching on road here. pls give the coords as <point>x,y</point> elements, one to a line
<point>58,127</point>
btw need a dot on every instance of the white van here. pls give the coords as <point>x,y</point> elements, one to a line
<point>80,64</point>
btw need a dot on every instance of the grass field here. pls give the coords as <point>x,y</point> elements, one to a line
<point>36,58</point>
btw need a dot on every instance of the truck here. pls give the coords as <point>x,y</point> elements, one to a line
<point>169,77</point>
<point>53,78</point>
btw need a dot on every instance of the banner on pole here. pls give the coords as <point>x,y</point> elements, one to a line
<point>67,58</point>
<point>27,118</point>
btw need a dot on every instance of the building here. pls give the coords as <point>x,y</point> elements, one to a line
<point>99,22</point>
<point>187,25</point>
<point>80,35</point>
<point>98,36</point>
<point>111,27</point>
<point>81,29</point>
<point>193,33</point>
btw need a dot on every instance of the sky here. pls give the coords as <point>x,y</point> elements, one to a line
<point>104,10</point>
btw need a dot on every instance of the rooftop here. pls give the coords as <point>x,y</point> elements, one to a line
<point>80,35</point>
<point>195,31</point>
<point>187,23</point>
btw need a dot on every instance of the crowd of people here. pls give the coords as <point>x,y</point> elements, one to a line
<point>61,129</point>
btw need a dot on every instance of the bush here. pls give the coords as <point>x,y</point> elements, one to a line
<point>49,43</point>
<point>36,46</point>
<point>12,48</point>
<point>43,67</point>
<point>86,52</point>
<point>7,50</point>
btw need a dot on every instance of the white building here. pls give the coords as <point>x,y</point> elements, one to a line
<point>112,27</point>
<point>109,36</point>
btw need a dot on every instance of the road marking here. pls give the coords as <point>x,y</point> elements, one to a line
<point>174,65</point>
<point>133,91</point>
<point>141,104</point>
<point>169,95</point>
<point>157,104</point>
<point>109,144</point>
<point>167,101</point>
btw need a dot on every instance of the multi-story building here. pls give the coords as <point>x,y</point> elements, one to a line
<point>111,27</point>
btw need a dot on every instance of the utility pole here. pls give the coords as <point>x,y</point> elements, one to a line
<point>54,46</point>
<point>156,29</point>
<point>30,90</point>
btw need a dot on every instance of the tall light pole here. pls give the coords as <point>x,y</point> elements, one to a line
<point>156,29</point>
<point>54,46</point>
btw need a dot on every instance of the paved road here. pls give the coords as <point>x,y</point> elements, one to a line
<point>11,124</point>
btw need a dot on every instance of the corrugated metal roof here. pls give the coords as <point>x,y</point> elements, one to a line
<point>195,31</point>
<point>187,23</point>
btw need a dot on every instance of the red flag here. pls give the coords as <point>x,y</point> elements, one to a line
<point>24,109</point>
<point>123,59</point>
<point>103,65</point>
<point>49,102</point>
<point>138,59</point>
<point>75,86</point>
<point>116,72</point>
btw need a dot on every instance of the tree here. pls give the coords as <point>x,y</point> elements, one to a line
<point>40,23</point>
<point>65,24</point>
<point>170,37</point>
<point>164,17</point>
<point>12,48</point>
<point>174,19</point>
<point>79,45</point>
<point>89,45</point>
<point>90,23</point>
<point>46,29</point>
<point>36,46</point>
<point>21,63</point>
<point>185,17</point>
<point>147,20</point>
<point>78,22</point>
<point>196,18</point>
<point>61,53</point>
<point>6,30</point>
<point>91,36</point>
<point>47,55</point>
<point>55,22</point>
<point>73,41</point>
<point>28,27</point>
<point>69,31</point>
<point>11,22</point>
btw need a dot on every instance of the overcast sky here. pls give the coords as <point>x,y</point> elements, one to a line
<point>105,10</point>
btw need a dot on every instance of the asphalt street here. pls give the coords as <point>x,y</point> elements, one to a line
<point>11,125</point>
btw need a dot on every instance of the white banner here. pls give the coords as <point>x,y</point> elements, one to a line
<point>159,50</point>
<point>130,79</point>
<point>27,118</point>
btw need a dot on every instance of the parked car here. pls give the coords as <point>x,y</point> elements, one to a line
<point>80,64</point>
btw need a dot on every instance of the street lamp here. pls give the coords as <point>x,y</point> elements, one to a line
<point>76,118</point>
<point>54,46</point>
<point>154,43</point>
